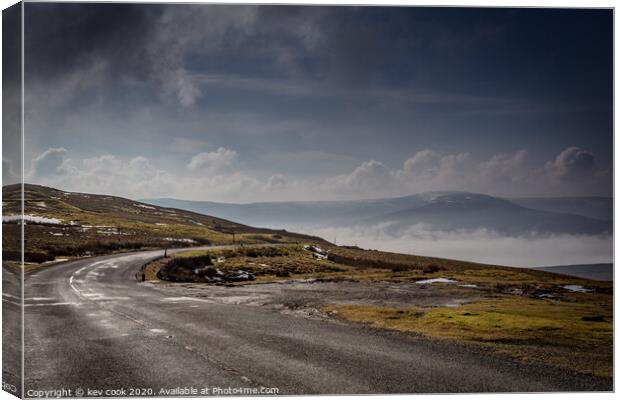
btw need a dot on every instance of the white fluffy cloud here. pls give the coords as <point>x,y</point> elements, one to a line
<point>276,182</point>
<point>572,163</point>
<point>368,178</point>
<point>136,177</point>
<point>423,171</point>
<point>370,174</point>
<point>110,175</point>
<point>513,174</point>
<point>213,161</point>
<point>430,170</point>
<point>505,167</point>
<point>572,172</point>
<point>428,164</point>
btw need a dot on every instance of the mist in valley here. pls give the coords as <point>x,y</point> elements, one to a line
<point>479,245</point>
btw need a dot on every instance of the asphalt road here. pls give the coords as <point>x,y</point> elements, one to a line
<point>89,324</point>
<point>11,330</point>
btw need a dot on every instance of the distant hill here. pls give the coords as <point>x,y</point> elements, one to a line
<point>447,210</point>
<point>591,207</point>
<point>597,272</point>
<point>470,211</point>
<point>301,213</point>
<point>61,223</point>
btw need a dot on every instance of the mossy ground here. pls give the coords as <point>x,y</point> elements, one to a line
<point>538,331</point>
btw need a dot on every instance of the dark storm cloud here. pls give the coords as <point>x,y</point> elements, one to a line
<point>509,98</point>
<point>11,46</point>
<point>344,44</point>
<point>63,36</point>
<point>488,52</point>
<point>11,95</point>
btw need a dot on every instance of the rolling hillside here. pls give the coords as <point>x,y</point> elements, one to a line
<point>301,213</point>
<point>439,210</point>
<point>469,211</point>
<point>60,223</point>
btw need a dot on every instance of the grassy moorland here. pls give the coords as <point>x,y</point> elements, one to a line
<point>63,224</point>
<point>534,316</point>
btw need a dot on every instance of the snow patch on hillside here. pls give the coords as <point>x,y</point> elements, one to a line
<point>145,206</point>
<point>33,219</point>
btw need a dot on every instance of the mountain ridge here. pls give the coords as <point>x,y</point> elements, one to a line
<point>496,213</point>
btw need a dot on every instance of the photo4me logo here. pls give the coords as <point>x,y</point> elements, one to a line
<point>219,391</point>
<point>243,391</point>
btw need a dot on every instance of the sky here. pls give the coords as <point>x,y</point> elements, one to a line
<point>268,103</point>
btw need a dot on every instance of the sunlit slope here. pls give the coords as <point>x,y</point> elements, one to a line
<point>60,223</point>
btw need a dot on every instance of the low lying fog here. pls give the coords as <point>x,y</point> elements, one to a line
<point>480,246</point>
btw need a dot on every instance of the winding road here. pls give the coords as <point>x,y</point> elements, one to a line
<point>90,324</point>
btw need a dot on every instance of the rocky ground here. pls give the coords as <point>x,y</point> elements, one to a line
<point>309,296</point>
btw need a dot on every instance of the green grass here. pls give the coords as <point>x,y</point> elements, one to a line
<point>538,331</point>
